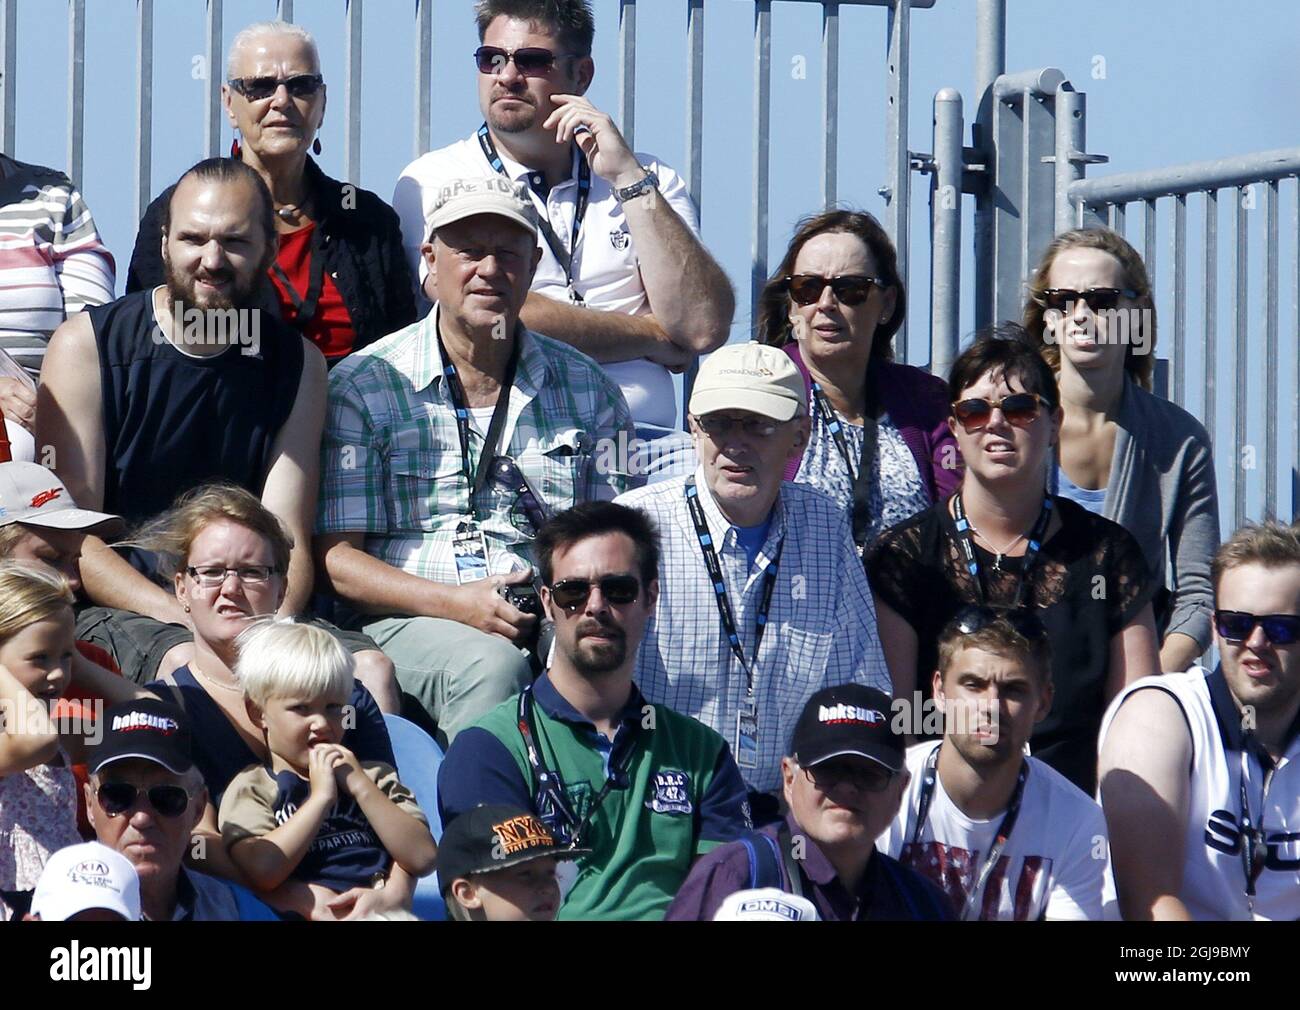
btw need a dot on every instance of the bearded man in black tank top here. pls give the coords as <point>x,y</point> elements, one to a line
<point>163,390</point>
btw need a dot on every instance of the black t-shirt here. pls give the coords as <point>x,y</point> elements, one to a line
<point>1090,580</point>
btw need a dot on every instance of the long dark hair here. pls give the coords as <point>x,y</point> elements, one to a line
<point>773,323</point>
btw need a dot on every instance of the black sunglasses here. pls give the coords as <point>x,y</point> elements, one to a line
<point>1236,626</point>
<point>1020,409</point>
<point>976,618</point>
<point>851,289</point>
<point>528,513</point>
<point>1097,299</point>
<point>530,61</point>
<point>570,594</point>
<point>256,89</point>
<point>715,425</point>
<point>119,797</point>
<point>869,777</point>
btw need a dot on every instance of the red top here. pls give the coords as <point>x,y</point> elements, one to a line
<point>330,328</point>
<point>77,703</point>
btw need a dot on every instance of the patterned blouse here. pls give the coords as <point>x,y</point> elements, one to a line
<point>899,493</point>
<point>38,815</point>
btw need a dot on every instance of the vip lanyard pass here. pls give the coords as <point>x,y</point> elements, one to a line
<point>999,839</point>
<point>714,568</point>
<point>562,255</point>
<point>476,478</point>
<point>1036,536</point>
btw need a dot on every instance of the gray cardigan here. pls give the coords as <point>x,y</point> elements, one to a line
<point>1162,490</point>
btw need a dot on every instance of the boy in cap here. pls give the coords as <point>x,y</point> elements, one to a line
<point>86,883</point>
<point>497,863</point>
<point>762,596</point>
<point>843,779</point>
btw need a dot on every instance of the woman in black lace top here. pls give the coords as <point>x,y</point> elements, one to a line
<point>1003,541</point>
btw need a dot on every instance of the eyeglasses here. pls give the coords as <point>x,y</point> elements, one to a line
<point>715,425</point>
<point>570,594</point>
<point>971,619</point>
<point>527,512</point>
<point>1279,629</point>
<point>530,61</point>
<point>851,289</point>
<point>1020,409</point>
<point>257,89</point>
<point>868,776</point>
<point>119,797</point>
<point>212,576</point>
<point>1097,299</point>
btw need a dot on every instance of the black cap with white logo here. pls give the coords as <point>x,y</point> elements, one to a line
<point>850,719</point>
<point>148,729</point>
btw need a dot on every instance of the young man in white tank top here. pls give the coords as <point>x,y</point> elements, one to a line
<point>1199,778</point>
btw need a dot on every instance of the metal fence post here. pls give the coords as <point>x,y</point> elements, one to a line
<point>352,92</point>
<point>144,106</point>
<point>212,101</point>
<point>423,74</point>
<point>945,231</point>
<point>8,69</point>
<point>990,64</point>
<point>76,88</point>
<point>762,128</point>
<point>897,189</point>
<point>830,101</point>
<point>627,71</point>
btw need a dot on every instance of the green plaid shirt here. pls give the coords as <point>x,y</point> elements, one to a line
<point>391,464</point>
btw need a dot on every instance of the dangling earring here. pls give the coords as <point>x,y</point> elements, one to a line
<point>187,608</point>
<point>315,146</point>
<point>234,148</point>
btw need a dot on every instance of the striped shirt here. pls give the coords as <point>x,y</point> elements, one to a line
<point>821,626</point>
<point>52,262</point>
<point>391,464</point>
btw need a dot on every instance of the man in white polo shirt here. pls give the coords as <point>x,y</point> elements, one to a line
<point>623,275</point>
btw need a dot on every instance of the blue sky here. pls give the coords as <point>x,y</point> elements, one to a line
<point>1183,80</point>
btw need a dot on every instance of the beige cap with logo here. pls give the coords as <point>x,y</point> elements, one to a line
<point>494,194</point>
<point>753,377</point>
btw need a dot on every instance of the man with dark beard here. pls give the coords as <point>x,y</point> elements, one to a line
<point>645,788</point>
<point>160,391</point>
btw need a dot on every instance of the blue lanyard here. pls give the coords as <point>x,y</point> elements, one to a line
<point>714,569</point>
<point>1036,536</point>
<point>562,255</point>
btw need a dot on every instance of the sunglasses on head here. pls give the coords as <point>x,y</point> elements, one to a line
<point>971,619</point>
<point>119,797</point>
<point>570,594</point>
<point>851,289</point>
<point>1236,626</point>
<point>255,89</point>
<point>1097,299</point>
<point>1020,409</point>
<point>530,61</point>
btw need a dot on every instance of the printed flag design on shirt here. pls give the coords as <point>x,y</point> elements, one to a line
<point>955,870</point>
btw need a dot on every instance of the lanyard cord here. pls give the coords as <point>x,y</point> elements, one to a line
<point>549,784</point>
<point>476,478</point>
<point>1000,839</point>
<point>563,256</point>
<point>1254,850</point>
<point>714,569</point>
<point>1036,536</point>
<point>304,306</point>
<point>836,428</point>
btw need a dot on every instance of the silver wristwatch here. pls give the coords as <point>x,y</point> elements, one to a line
<point>651,181</point>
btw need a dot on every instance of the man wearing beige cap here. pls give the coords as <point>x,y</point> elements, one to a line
<point>447,444</point>
<point>762,598</point>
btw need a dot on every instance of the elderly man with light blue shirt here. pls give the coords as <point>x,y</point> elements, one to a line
<point>763,600</point>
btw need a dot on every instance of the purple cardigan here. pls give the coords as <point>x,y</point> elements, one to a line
<point>917,403</point>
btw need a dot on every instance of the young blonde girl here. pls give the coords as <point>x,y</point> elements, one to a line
<point>37,789</point>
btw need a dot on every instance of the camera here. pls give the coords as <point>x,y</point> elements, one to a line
<point>538,644</point>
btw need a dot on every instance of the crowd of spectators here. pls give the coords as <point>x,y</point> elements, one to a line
<point>855,642</point>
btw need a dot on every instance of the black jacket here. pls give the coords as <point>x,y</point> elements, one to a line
<point>361,242</point>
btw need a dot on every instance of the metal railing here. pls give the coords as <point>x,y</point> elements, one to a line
<point>1107,199</point>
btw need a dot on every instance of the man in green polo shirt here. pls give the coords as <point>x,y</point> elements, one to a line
<point>645,788</point>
